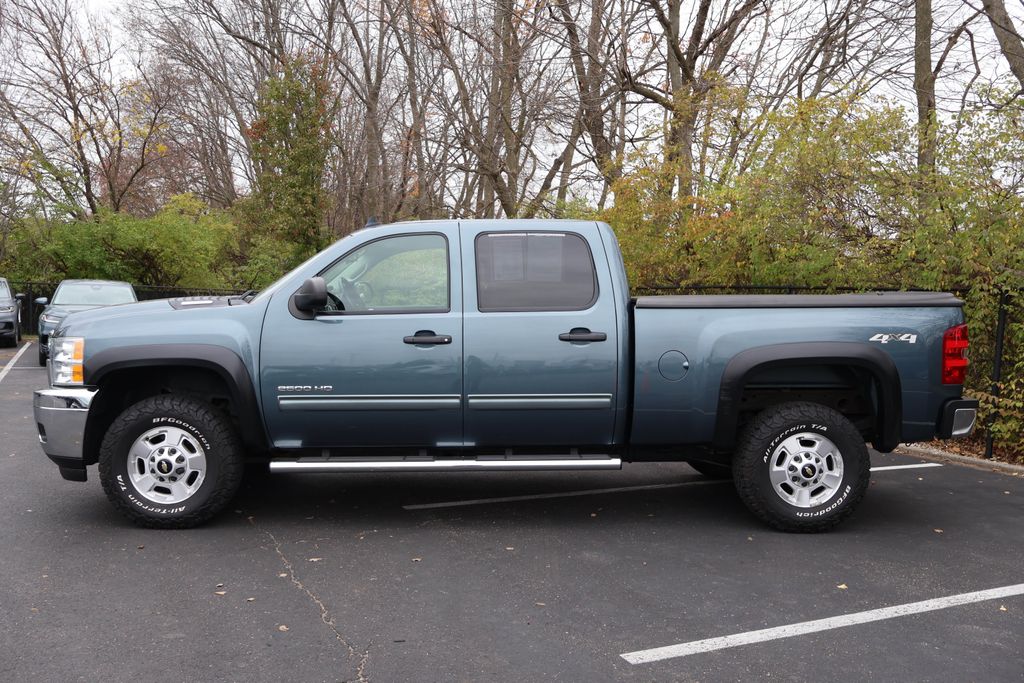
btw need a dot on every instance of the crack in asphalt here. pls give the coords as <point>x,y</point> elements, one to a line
<point>325,615</point>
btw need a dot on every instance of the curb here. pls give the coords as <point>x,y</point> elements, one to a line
<point>929,453</point>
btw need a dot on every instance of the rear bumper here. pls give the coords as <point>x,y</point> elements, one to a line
<point>61,414</point>
<point>957,418</point>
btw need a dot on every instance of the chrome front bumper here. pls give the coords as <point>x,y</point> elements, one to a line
<point>61,414</point>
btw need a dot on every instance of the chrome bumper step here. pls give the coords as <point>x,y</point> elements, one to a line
<point>428,464</point>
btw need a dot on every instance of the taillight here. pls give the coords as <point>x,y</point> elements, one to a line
<point>954,355</point>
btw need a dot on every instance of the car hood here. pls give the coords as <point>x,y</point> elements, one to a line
<point>89,313</point>
<point>163,322</point>
<point>174,312</point>
<point>61,310</point>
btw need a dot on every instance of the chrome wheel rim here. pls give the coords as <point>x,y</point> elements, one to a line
<point>806,470</point>
<point>166,465</point>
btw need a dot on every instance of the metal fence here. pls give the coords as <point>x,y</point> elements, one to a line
<point>30,310</point>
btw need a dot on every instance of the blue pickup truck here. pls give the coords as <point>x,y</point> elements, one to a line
<point>497,345</point>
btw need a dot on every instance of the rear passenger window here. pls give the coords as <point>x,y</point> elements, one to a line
<point>534,271</point>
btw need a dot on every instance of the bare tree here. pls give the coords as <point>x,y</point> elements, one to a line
<point>83,129</point>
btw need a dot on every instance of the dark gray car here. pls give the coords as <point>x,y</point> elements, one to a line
<point>78,295</point>
<point>10,314</point>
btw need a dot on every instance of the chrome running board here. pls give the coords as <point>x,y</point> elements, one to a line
<point>428,464</point>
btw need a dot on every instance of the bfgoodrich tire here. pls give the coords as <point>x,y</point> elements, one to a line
<point>801,467</point>
<point>170,462</point>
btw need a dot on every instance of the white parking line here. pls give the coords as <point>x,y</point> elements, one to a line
<point>11,362</point>
<point>805,627</point>
<point>906,467</point>
<point>564,494</point>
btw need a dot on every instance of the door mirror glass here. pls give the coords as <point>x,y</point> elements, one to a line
<point>311,296</point>
<point>41,301</point>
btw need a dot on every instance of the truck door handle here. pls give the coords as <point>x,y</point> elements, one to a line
<point>428,337</point>
<point>582,334</point>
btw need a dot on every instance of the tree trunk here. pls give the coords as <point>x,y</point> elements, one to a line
<point>924,87</point>
<point>1009,39</point>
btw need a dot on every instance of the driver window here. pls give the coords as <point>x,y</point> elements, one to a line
<point>404,274</point>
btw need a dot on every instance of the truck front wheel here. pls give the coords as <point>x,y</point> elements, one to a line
<point>170,462</point>
<point>801,467</point>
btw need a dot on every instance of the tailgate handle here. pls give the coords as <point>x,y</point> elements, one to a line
<point>582,334</point>
<point>428,337</point>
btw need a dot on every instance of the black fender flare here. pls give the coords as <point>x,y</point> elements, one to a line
<point>874,360</point>
<point>223,361</point>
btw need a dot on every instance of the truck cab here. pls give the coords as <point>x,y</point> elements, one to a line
<point>469,338</point>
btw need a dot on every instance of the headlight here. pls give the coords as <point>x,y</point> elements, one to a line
<point>49,319</point>
<point>66,355</point>
<point>6,309</point>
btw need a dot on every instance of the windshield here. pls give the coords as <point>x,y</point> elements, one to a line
<point>93,294</point>
<point>4,292</point>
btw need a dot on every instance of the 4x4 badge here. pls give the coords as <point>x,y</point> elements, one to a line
<point>885,338</point>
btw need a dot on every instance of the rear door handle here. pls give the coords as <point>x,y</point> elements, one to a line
<point>582,334</point>
<point>428,337</point>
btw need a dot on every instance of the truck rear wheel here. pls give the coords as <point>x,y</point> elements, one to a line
<point>170,462</point>
<point>801,467</point>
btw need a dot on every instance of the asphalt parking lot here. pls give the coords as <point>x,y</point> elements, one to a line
<point>429,578</point>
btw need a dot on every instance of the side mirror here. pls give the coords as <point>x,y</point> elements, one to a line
<point>311,296</point>
<point>42,301</point>
<point>19,297</point>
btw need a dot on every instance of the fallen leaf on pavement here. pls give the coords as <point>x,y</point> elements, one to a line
<point>220,592</point>
<point>315,559</point>
<point>842,586</point>
<point>938,531</point>
<point>417,559</point>
<point>1002,608</point>
<point>282,628</point>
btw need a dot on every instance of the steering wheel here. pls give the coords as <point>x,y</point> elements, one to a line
<point>365,291</point>
<point>351,295</point>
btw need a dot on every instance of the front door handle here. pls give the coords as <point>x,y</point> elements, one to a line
<point>582,334</point>
<point>428,337</point>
